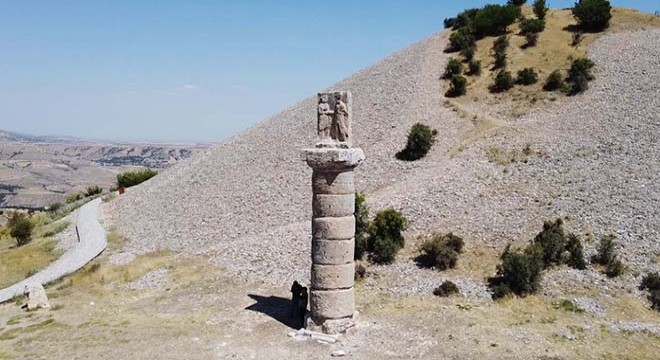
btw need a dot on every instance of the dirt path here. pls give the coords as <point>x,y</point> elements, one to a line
<point>92,243</point>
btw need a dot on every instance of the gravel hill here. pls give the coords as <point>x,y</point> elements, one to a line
<point>247,201</point>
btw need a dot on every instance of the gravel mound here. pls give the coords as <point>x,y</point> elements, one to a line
<point>247,202</point>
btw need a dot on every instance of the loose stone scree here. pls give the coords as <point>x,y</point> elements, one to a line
<point>332,297</point>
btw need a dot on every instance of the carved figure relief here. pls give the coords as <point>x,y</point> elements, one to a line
<point>334,119</point>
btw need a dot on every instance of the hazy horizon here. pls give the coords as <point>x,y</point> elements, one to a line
<point>192,72</point>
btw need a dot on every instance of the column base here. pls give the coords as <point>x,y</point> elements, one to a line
<point>331,326</point>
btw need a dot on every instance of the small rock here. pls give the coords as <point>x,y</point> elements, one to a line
<point>338,353</point>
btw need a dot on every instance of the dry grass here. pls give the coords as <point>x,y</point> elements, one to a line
<point>16,263</point>
<point>553,51</point>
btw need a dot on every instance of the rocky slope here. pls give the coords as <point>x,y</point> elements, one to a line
<point>594,161</point>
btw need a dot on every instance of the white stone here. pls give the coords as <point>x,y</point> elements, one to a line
<point>36,297</point>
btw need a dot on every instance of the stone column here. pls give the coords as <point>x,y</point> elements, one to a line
<point>332,297</point>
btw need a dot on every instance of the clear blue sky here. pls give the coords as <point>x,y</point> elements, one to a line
<point>192,70</point>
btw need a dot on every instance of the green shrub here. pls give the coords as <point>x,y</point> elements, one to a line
<point>20,228</point>
<point>420,140</point>
<point>446,289</point>
<point>440,251</point>
<point>453,67</point>
<point>516,2</point>
<point>593,15</point>
<point>503,82</point>
<point>555,81</point>
<point>449,22</point>
<point>552,242</point>
<point>468,53</point>
<point>531,39</point>
<point>606,250</point>
<point>568,306</point>
<point>519,272</point>
<point>614,269</point>
<point>92,190</point>
<point>474,67</point>
<point>132,178</point>
<point>74,197</point>
<point>361,226</point>
<point>461,39</point>
<point>576,253</point>
<point>608,257</point>
<point>540,10</point>
<point>532,26</point>
<point>55,207</point>
<point>493,20</point>
<point>457,86</point>
<point>385,235</point>
<point>579,75</point>
<point>527,76</point>
<point>466,18</point>
<point>651,283</point>
<point>499,51</point>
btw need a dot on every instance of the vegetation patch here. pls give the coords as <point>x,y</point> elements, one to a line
<point>132,178</point>
<point>385,236</point>
<point>446,289</point>
<point>568,305</point>
<point>607,256</point>
<point>440,251</point>
<point>420,140</point>
<point>651,283</point>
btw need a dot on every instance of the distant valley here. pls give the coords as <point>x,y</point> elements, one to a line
<point>36,171</point>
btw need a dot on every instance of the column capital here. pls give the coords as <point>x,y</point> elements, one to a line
<point>333,159</point>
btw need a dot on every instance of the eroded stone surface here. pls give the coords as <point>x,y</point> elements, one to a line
<point>333,205</point>
<point>331,277</point>
<point>36,297</point>
<point>333,158</point>
<point>331,182</point>
<point>332,304</point>
<point>328,252</point>
<point>340,228</point>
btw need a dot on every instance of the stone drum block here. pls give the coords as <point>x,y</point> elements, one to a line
<point>333,304</point>
<point>333,205</point>
<point>328,277</point>
<point>333,252</point>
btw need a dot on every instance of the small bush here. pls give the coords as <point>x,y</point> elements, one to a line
<point>568,305</point>
<point>503,82</point>
<point>576,253</point>
<point>132,178</point>
<point>440,251</point>
<point>516,2</point>
<point>466,18</point>
<point>474,68</point>
<point>531,39</point>
<point>540,10</point>
<point>579,75</point>
<point>552,242</point>
<point>55,207</point>
<point>74,197</point>
<point>453,67</point>
<point>519,272</point>
<point>420,140</point>
<point>532,26</point>
<point>493,20</point>
<point>555,81</point>
<point>449,22</point>
<point>651,283</point>
<point>608,257</point>
<point>606,250</point>
<point>460,40</point>
<point>614,269</point>
<point>457,86</point>
<point>385,235</point>
<point>361,226</point>
<point>527,76</point>
<point>593,15</point>
<point>446,289</point>
<point>20,228</point>
<point>468,53</point>
<point>92,190</point>
<point>499,51</point>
